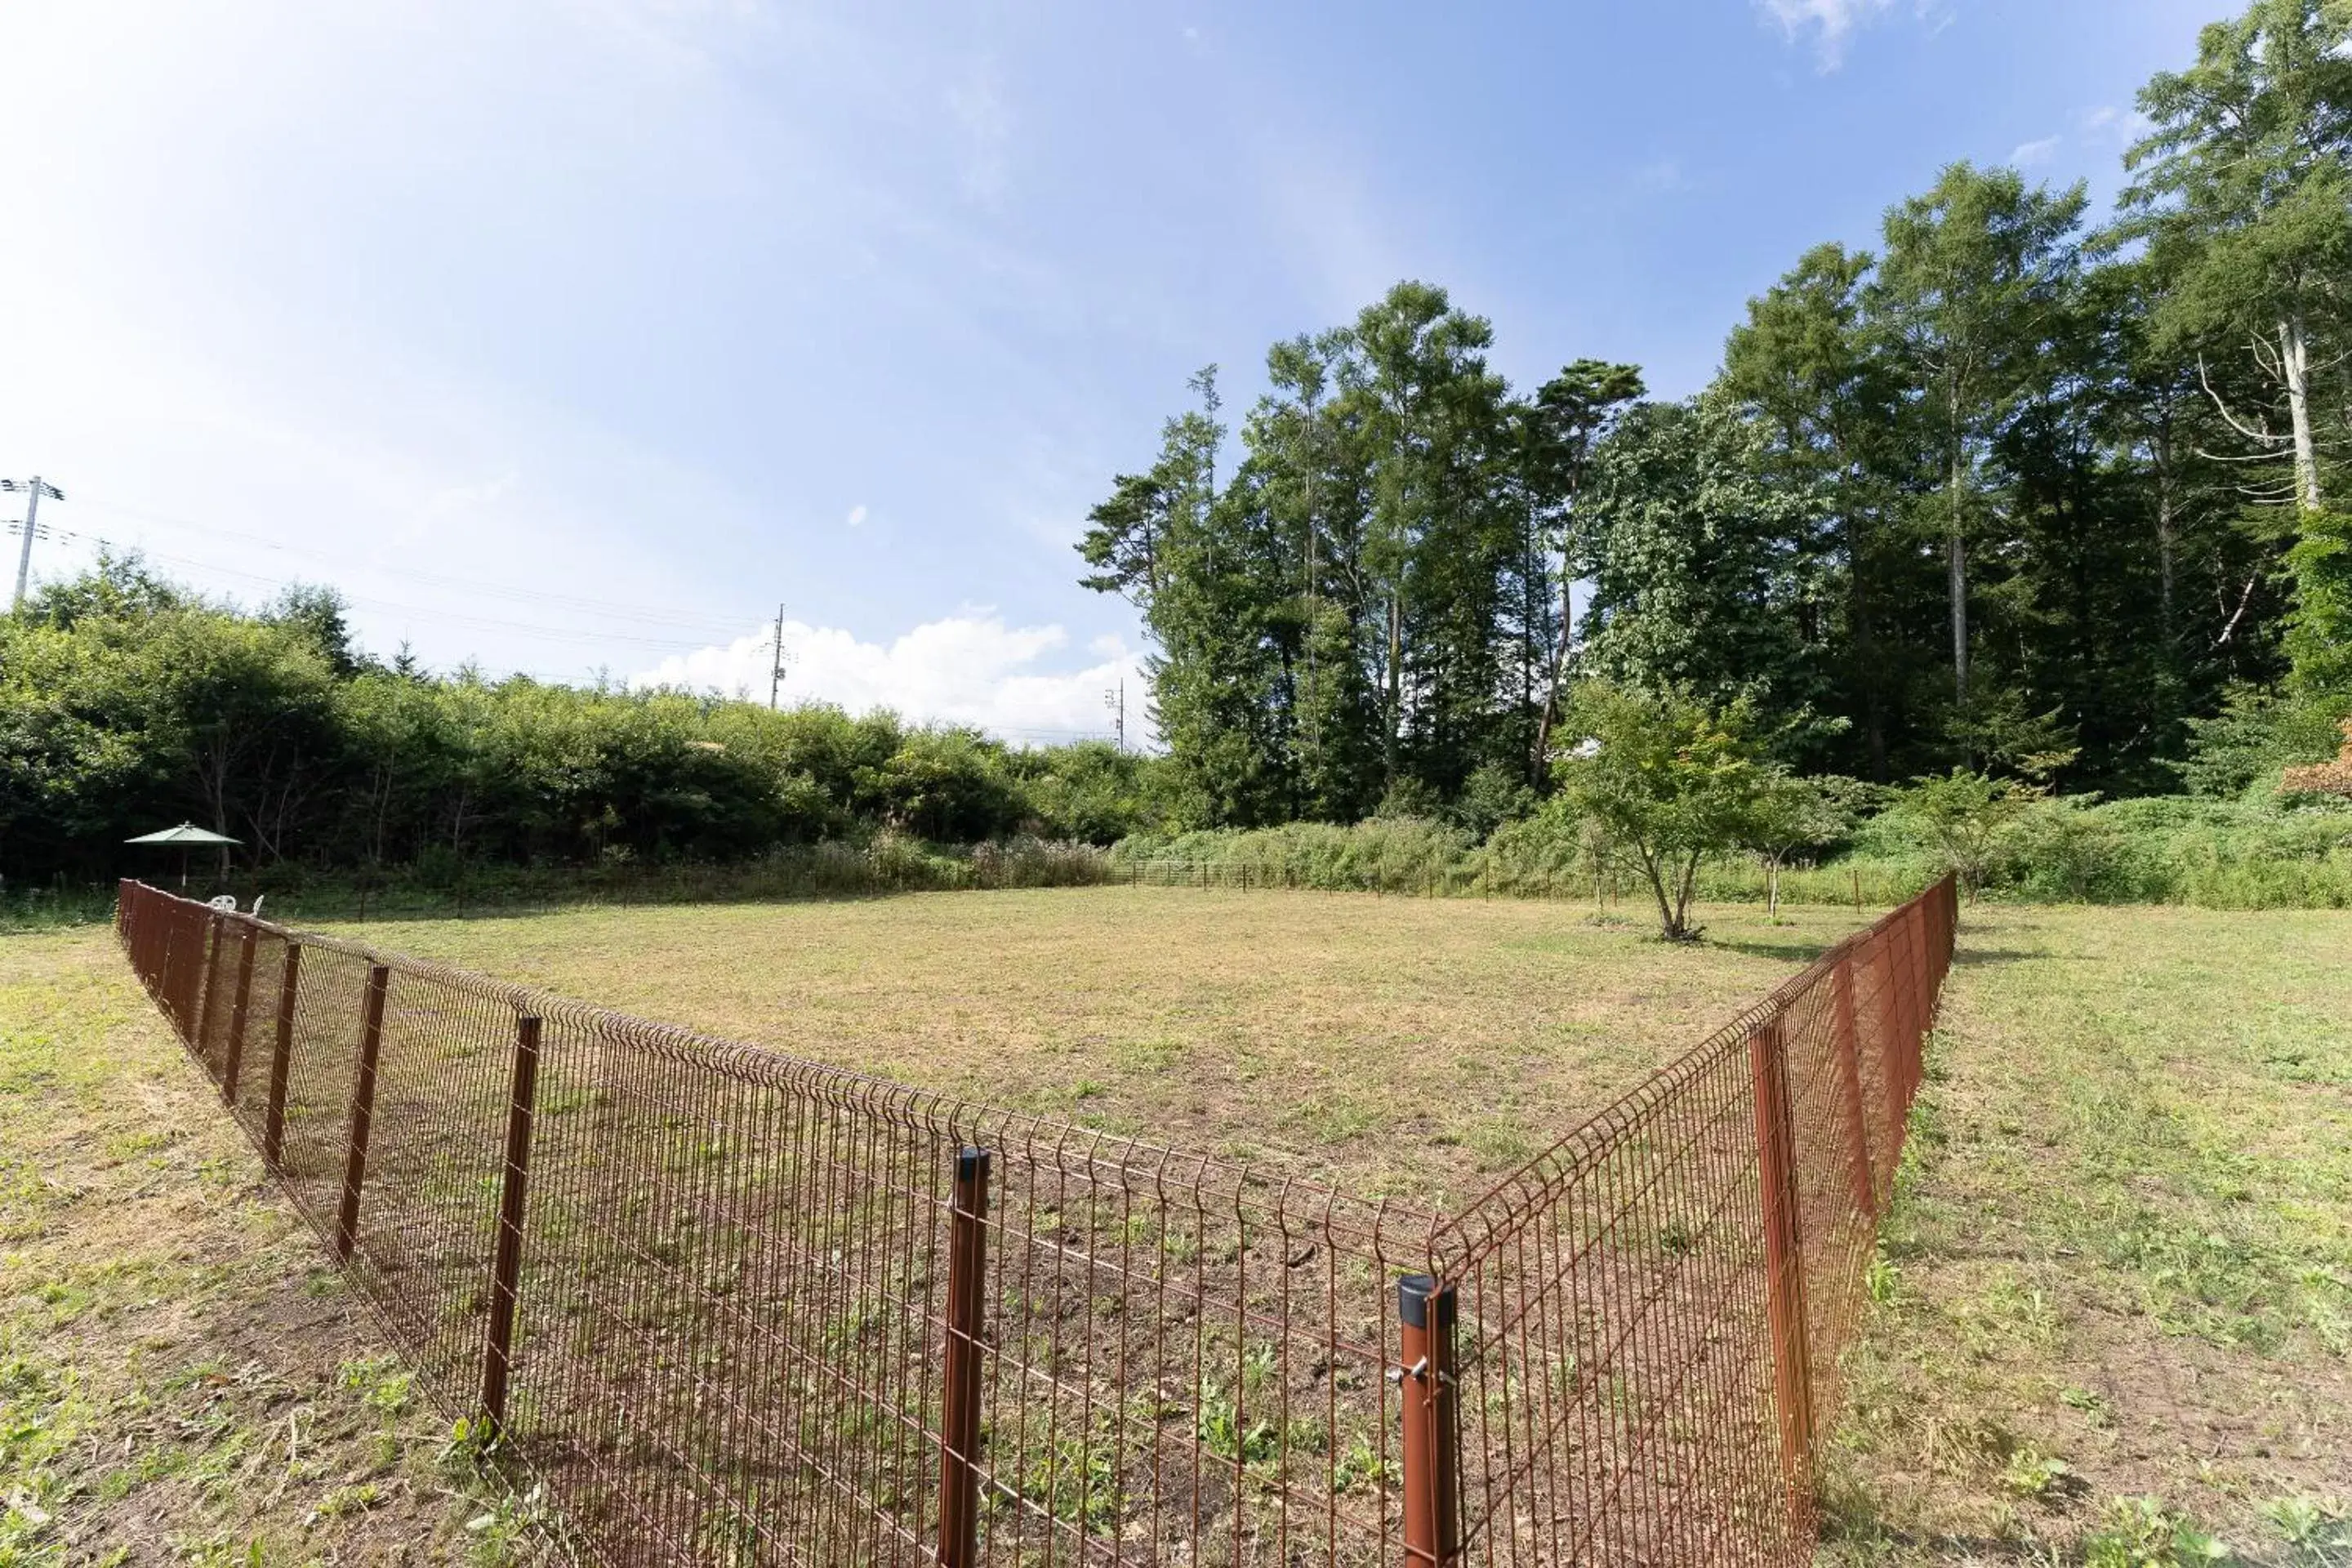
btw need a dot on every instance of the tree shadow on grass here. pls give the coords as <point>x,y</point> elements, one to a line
<point>1798,950</point>
<point>1970,957</point>
<point>1806,949</point>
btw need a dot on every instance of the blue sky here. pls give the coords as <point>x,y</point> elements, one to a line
<point>572,335</point>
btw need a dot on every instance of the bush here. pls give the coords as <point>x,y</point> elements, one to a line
<point>1384,853</point>
<point>2262,854</point>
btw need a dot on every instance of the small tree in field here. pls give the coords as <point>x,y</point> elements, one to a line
<point>1663,780</point>
<point>1792,813</point>
<point>1967,816</point>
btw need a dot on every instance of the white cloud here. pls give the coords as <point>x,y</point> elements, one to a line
<point>1662,175</point>
<point>2029,154</point>
<point>985,121</point>
<point>857,515</point>
<point>1829,21</point>
<point>970,668</point>
<point>2121,126</point>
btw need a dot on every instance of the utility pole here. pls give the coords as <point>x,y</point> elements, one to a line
<point>1116,700</point>
<point>776,661</point>
<point>35,490</point>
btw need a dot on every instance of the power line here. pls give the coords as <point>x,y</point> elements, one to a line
<point>605,607</point>
<point>34,489</point>
<point>454,617</point>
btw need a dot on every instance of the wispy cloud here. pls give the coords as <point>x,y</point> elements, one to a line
<point>970,668</point>
<point>2029,154</point>
<point>1662,175</point>
<point>1829,22</point>
<point>2122,127</point>
<point>984,125</point>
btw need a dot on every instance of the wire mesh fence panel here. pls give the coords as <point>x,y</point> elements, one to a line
<point>257,1039</point>
<point>1612,1405</point>
<point>740,1274</point>
<point>736,1308</point>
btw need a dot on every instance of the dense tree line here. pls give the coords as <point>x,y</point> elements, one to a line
<point>2011,491</point>
<point>128,704</point>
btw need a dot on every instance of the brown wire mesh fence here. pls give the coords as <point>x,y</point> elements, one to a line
<point>734,1308</point>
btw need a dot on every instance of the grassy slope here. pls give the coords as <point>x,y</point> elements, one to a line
<point>2121,1267</point>
<point>182,1380</point>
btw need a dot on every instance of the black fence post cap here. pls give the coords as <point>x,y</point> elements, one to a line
<point>1414,1294</point>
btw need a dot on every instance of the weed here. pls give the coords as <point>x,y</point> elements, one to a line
<point>1076,1479</point>
<point>380,1382</point>
<point>1232,1434</point>
<point>2317,1527</point>
<point>2093,1406</point>
<point>1361,1465</point>
<point>2141,1532</point>
<point>2031,1473</point>
<point>343,1501</point>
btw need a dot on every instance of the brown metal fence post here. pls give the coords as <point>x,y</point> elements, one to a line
<point>506,1267</point>
<point>1432,1443</point>
<point>1890,1047</point>
<point>1904,997</point>
<point>234,1056</point>
<point>347,1223</point>
<point>1857,1119</point>
<point>1784,1278</point>
<point>960,1389</point>
<point>205,984</point>
<point>282,1059</point>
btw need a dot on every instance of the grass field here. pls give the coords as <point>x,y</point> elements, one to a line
<point>2115,1307</point>
<point>2121,1268</point>
<point>183,1380</point>
<point>1411,1045</point>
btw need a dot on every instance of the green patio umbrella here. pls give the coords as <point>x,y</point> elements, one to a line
<point>185,836</point>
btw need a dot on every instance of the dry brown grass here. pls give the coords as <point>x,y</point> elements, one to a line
<point>1414,1046</point>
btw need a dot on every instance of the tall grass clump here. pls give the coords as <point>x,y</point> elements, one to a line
<point>1383,854</point>
<point>2252,854</point>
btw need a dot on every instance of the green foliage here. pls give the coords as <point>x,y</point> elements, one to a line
<point>1668,781</point>
<point>1695,585</point>
<point>2141,1532</point>
<point>2255,854</point>
<point>127,704</point>
<point>2316,1527</point>
<point>2242,750</point>
<point>1978,499</point>
<point>1387,854</point>
<point>1790,811</point>
<point>1093,791</point>
<point>1373,606</point>
<point>2318,639</point>
<point>1968,818</point>
<point>1495,795</point>
<point>2259,853</point>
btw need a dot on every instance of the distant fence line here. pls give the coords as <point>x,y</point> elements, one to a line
<point>731,1307</point>
<point>1490,878</point>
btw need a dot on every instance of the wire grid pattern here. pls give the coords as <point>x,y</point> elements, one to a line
<point>734,1311</point>
<point>1618,1377</point>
